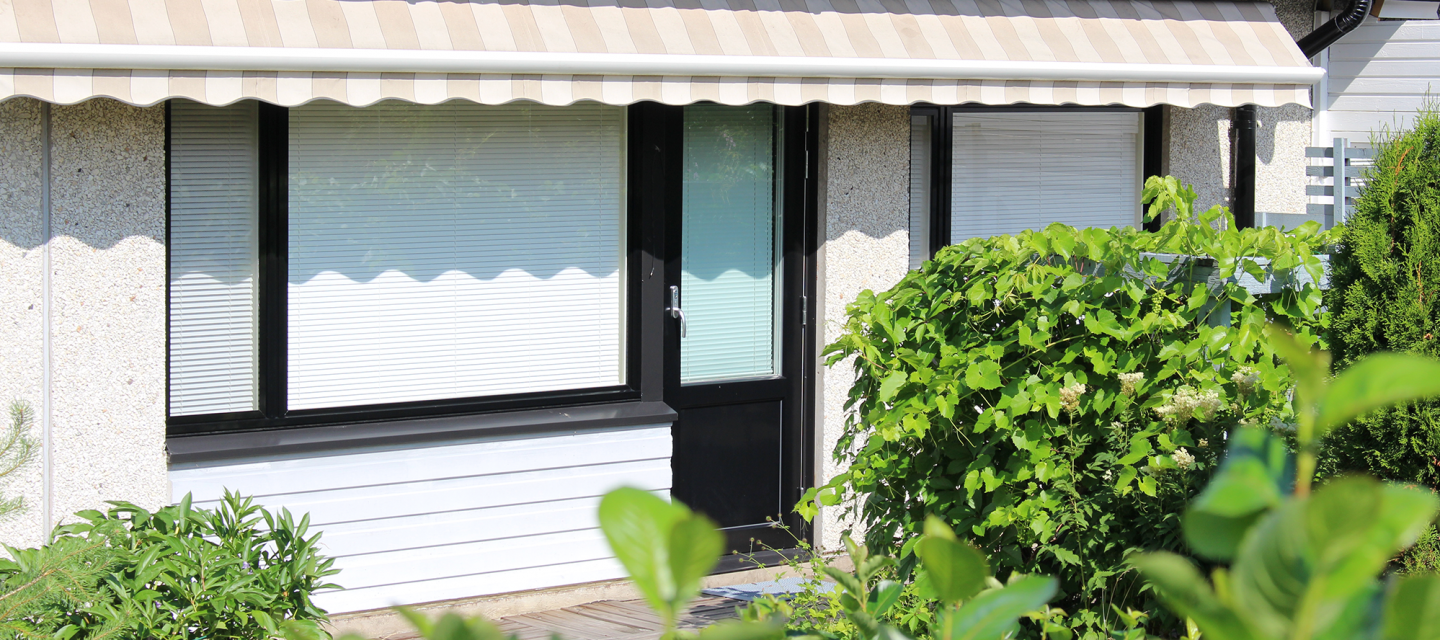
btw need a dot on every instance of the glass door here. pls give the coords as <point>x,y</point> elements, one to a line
<point>735,336</point>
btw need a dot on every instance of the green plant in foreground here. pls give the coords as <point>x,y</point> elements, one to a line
<point>667,549</point>
<point>1058,396</point>
<point>972,605</point>
<point>237,571</point>
<point>1303,563</point>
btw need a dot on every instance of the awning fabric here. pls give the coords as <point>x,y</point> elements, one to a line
<point>289,52</point>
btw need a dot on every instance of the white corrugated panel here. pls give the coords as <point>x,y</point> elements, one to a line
<point>919,190</point>
<point>1026,170</point>
<point>453,251</point>
<point>422,524</point>
<point>729,256</point>
<point>213,257</point>
<point>1378,76</point>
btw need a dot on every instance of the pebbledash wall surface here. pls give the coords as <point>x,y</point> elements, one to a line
<point>93,365</point>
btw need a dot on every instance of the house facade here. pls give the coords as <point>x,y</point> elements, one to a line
<point>1379,74</point>
<point>439,274</point>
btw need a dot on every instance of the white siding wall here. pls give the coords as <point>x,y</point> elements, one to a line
<point>436,523</point>
<point>1378,75</point>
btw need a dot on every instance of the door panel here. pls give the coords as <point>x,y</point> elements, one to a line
<point>734,273</point>
<point>731,458</point>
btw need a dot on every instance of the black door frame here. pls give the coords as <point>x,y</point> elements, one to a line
<point>656,147</point>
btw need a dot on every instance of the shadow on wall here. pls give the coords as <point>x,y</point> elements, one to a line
<point>106,172</point>
<point>869,171</point>
<point>1271,121</point>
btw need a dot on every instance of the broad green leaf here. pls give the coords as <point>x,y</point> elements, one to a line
<point>956,570</point>
<point>1379,380</point>
<point>995,614</point>
<point>1302,565</point>
<point>638,524</point>
<point>1255,476</point>
<point>886,594</point>
<point>984,374</point>
<point>1354,541</point>
<point>695,547</point>
<point>1412,612</point>
<point>890,385</point>
<point>848,582</point>
<point>1188,594</point>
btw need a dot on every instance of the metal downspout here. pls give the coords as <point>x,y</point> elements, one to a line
<point>1244,206</point>
<point>1245,115</point>
<point>1326,34</point>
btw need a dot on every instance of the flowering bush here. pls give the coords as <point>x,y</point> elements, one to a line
<point>1059,396</point>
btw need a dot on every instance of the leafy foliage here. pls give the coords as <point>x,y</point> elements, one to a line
<point>179,572</point>
<point>17,448</point>
<point>667,549</point>
<point>1386,297</point>
<point>1303,564</point>
<point>1059,395</point>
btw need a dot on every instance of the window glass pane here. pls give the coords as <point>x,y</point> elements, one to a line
<point>454,251</point>
<point>729,255</point>
<point>213,256</point>
<point>919,190</point>
<point>1025,170</point>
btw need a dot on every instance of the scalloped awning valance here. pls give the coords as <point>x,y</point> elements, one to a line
<point>288,52</point>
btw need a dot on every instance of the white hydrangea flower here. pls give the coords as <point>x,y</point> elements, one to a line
<point>1070,396</point>
<point>1245,380</point>
<point>1183,459</point>
<point>1186,402</point>
<point>1128,382</point>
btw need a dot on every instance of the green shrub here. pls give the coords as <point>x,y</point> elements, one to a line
<point>1386,297</point>
<point>1303,564</point>
<point>1058,396</point>
<point>238,571</point>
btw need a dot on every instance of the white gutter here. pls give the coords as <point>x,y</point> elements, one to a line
<point>201,58</point>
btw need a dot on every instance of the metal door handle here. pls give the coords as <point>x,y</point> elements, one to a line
<point>675,310</point>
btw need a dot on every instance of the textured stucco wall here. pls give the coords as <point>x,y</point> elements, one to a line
<point>866,243</point>
<point>1199,152</point>
<point>21,256</point>
<point>108,390</point>
<point>1200,141</point>
<point>107,291</point>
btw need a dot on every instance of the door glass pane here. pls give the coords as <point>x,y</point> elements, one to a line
<point>729,255</point>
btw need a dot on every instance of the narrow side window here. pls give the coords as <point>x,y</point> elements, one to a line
<point>213,258</point>
<point>920,169</point>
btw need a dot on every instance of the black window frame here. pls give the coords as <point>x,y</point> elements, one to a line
<point>272,277</point>
<point>942,141</point>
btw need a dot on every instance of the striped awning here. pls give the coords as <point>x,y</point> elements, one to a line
<point>288,52</point>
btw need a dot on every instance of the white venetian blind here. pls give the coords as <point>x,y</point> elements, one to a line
<point>728,255</point>
<point>1025,170</point>
<point>453,251</point>
<point>213,255</point>
<point>919,190</point>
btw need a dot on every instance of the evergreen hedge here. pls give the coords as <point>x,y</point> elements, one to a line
<point>1385,296</point>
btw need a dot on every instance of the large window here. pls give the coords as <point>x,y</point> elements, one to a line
<point>415,254</point>
<point>986,172</point>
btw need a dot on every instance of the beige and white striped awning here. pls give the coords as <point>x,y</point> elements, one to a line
<point>288,52</point>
